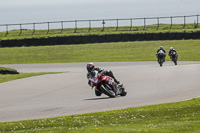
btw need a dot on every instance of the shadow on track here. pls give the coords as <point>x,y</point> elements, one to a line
<point>102,98</point>
<point>98,98</point>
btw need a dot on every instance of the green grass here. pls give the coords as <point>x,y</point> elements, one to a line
<point>9,77</point>
<point>29,33</point>
<point>172,117</point>
<point>189,50</point>
<point>9,69</point>
<point>176,117</point>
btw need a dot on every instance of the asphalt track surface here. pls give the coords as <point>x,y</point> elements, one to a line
<point>68,93</point>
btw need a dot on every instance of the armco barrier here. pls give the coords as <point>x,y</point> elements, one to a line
<point>83,39</point>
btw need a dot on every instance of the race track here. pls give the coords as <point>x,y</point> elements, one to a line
<point>68,93</point>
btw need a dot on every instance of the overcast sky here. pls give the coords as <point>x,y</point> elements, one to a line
<point>53,2</point>
<point>17,11</point>
<point>58,2</point>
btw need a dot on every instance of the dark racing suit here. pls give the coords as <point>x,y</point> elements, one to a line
<point>171,51</point>
<point>103,72</point>
<point>163,51</point>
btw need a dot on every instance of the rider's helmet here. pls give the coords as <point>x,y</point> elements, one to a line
<point>90,67</point>
<point>171,48</point>
<point>161,47</point>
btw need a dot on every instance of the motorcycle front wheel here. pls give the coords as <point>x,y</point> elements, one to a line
<point>107,90</point>
<point>175,61</point>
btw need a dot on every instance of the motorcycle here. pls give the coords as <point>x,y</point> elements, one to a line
<point>161,57</point>
<point>174,57</point>
<point>104,84</point>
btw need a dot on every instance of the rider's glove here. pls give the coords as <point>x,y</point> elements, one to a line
<point>90,84</point>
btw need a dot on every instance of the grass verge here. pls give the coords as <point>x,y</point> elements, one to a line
<point>172,117</point>
<point>30,33</point>
<point>176,117</point>
<point>4,70</point>
<point>9,77</point>
<point>189,50</point>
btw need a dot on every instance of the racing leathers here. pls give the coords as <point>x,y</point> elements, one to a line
<point>163,51</point>
<point>171,51</point>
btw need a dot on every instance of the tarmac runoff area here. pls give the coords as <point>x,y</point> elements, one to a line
<point>68,93</point>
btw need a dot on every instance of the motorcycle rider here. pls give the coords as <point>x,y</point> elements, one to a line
<point>171,50</point>
<point>161,48</point>
<point>90,68</point>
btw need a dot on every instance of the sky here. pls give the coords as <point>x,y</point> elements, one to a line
<point>22,3</point>
<point>55,2</point>
<point>24,11</point>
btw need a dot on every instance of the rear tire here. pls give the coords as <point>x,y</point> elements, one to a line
<point>160,61</point>
<point>107,90</point>
<point>124,92</point>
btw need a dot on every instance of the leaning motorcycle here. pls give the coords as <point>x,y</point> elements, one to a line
<point>174,57</point>
<point>161,57</point>
<point>104,84</point>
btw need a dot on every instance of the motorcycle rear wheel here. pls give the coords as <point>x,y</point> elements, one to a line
<point>160,61</point>
<point>124,92</point>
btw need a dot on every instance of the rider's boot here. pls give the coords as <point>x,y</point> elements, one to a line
<point>120,84</point>
<point>118,90</point>
<point>109,73</point>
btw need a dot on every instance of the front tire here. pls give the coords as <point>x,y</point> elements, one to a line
<point>107,90</point>
<point>97,93</point>
<point>175,61</point>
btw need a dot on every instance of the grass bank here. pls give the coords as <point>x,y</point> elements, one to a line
<point>189,50</point>
<point>9,77</point>
<point>29,33</point>
<point>176,117</point>
<point>4,70</point>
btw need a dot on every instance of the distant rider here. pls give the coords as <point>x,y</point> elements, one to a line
<point>171,51</point>
<point>161,48</point>
<point>90,68</point>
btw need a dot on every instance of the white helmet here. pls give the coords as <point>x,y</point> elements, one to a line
<point>90,67</point>
<point>171,48</point>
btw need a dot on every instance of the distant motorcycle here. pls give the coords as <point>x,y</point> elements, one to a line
<point>103,84</point>
<point>174,57</point>
<point>161,57</point>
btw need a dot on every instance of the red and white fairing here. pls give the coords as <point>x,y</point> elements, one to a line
<point>97,78</point>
